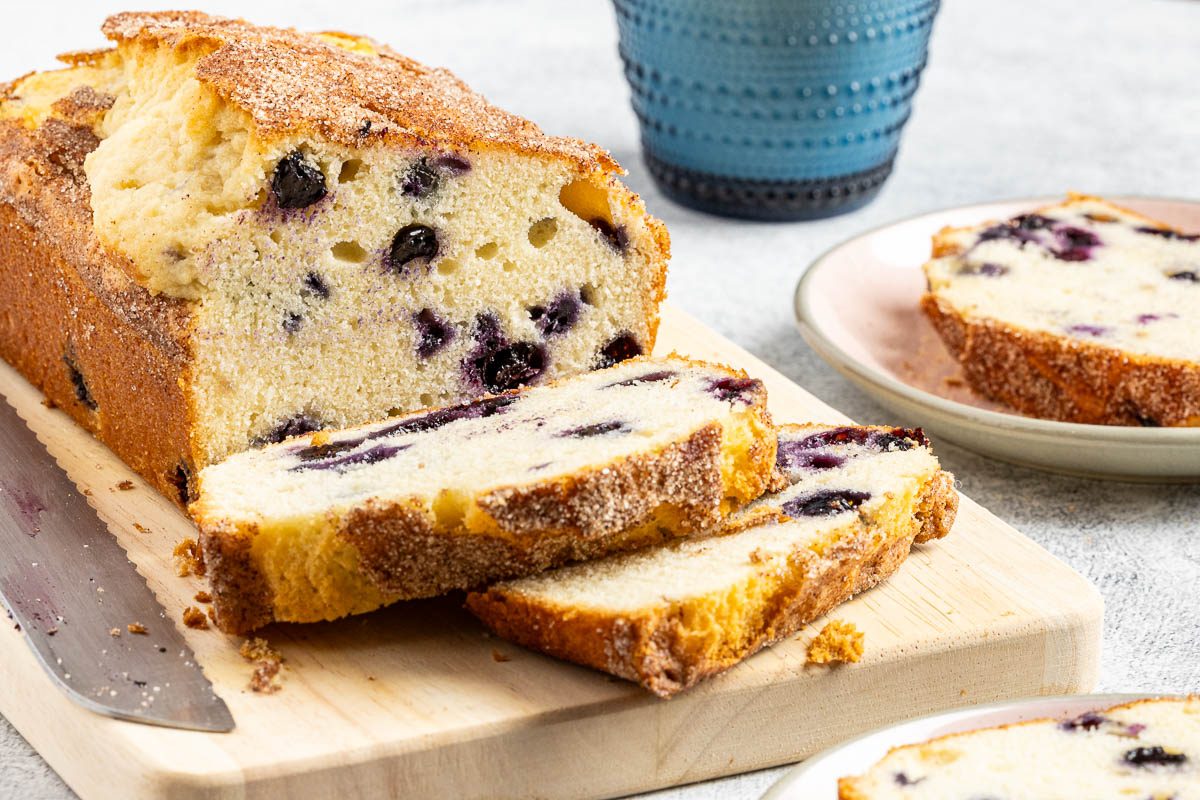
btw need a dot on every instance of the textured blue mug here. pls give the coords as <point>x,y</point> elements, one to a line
<point>773,109</point>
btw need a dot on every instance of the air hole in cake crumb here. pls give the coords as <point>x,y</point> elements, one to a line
<point>510,266</point>
<point>487,251</point>
<point>276,236</point>
<point>426,400</point>
<point>349,251</point>
<point>587,293</point>
<point>447,266</point>
<point>351,169</point>
<point>542,231</point>
<point>586,200</point>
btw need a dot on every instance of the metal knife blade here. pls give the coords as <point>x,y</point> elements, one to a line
<point>68,583</point>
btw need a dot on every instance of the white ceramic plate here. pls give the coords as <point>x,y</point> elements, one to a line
<point>816,778</point>
<point>857,306</point>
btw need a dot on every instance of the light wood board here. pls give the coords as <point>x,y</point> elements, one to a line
<point>417,701</point>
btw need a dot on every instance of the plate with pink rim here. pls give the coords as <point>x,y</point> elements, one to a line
<point>817,778</point>
<point>857,307</point>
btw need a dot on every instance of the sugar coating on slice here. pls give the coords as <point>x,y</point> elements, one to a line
<point>837,476</point>
<point>1084,269</point>
<point>522,438</point>
<point>1149,750</point>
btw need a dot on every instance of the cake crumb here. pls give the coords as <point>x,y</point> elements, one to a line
<point>87,492</point>
<point>140,528</point>
<point>267,662</point>
<point>188,559</point>
<point>194,618</point>
<point>48,403</point>
<point>115,633</point>
<point>954,382</point>
<point>837,641</point>
<point>203,597</point>
<point>499,657</point>
<point>319,438</point>
<point>125,486</point>
<point>136,627</point>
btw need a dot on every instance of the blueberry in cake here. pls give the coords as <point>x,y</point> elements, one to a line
<point>1082,311</point>
<point>328,524</point>
<point>855,500</point>
<point>1147,750</point>
<point>215,234</point>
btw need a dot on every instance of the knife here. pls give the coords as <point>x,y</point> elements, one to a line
<point>70,588</point>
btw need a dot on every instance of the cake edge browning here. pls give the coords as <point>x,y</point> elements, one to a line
<point>646,648</point>
<point>848,790</point>
<point>402,551</point>
<point>1058,377</point>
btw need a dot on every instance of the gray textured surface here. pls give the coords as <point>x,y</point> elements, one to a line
<point>1021,98</point>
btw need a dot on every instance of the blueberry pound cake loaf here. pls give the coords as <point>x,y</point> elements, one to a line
<point>1147,750</point>
<point>328,524</point>
<point>214,234</point>
<point>856,499</point>
<point>1083,311</point>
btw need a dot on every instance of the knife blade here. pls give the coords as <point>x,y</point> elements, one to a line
<point>69,586</point>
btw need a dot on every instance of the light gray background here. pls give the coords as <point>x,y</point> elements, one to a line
<point>1021,98</point>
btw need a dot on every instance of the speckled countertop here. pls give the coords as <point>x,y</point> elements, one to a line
<point>1025,97</point>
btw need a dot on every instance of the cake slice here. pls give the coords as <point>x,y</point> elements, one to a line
<point>668,617</point>
<point>215,234</point>
<point>1082,311</point>
<point>328,524</point>
<point>1147,750</point>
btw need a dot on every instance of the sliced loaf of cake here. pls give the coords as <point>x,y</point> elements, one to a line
<point>1082,311</point>
<point>668,617</point>
<point>328,524</point>
<point>215,234</point>
<point>1147,750</point>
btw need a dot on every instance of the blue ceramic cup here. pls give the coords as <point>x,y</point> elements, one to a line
<point>773,109</point>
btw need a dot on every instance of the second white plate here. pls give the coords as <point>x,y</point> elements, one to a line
<point>857,306</point>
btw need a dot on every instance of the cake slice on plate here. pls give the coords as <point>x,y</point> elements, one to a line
<point>667,617</point>
<point>1148,750</point>
<point>1081,311</point>
<point>328,524</point>
<point>214,234</point>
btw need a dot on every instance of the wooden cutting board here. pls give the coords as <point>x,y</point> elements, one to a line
<point>418,701</point>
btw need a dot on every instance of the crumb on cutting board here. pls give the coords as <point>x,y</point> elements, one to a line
<point>125,486</point>
<point>193,617</point>
<point>499,657</point>
<point>136,627</point>
<point>115,633</point>
<point>140,528</point>
<point>188,558</point>
<point>267,661</point>
<point>203,597</point>
<point>837,641</point>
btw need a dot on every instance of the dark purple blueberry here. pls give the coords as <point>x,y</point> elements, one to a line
<point>833,436</point>
<point>730,389</point>
<point>297,182</point>
<point>421,180</point>
<point>1077,237</point>
<point>452,165</point>
<point>315,286</point>
<point>619,349</point>
<point>295,425</point>
<point>989,270</point>
<point>895,439</point>
<point>1073,254</point>
<point>184,485</point>
<point>1144,319</point>
<point>617,237</point>
<point>1153,757</point>
<point>825,504</point>
<point>373,455</point>
<point>902,779</point>
<point>82,393</point>
<point>558,316</point>
<point>292,321</point>
<point>1006,231</point>
<point>316,452</point>
<point>789,457</point>
<point>1146,421</point>
<point>518,364</point>
<point>433,332</point>
<point>1032,222</point>
<point>598,429</point>
<point>1167,233</point>
<point>1186,275</point>
<point>649,377</point>
<point>412,243</point>
<point>1089,721</point>
<point>1087,330</point>
<point>432,420</point>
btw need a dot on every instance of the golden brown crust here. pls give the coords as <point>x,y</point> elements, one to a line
<point>286,80</point>
<point>1061,378</point>
<point>240,595</point>
<point>72,322</point>
<point>1058,377</point>
<point>651,648</point>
